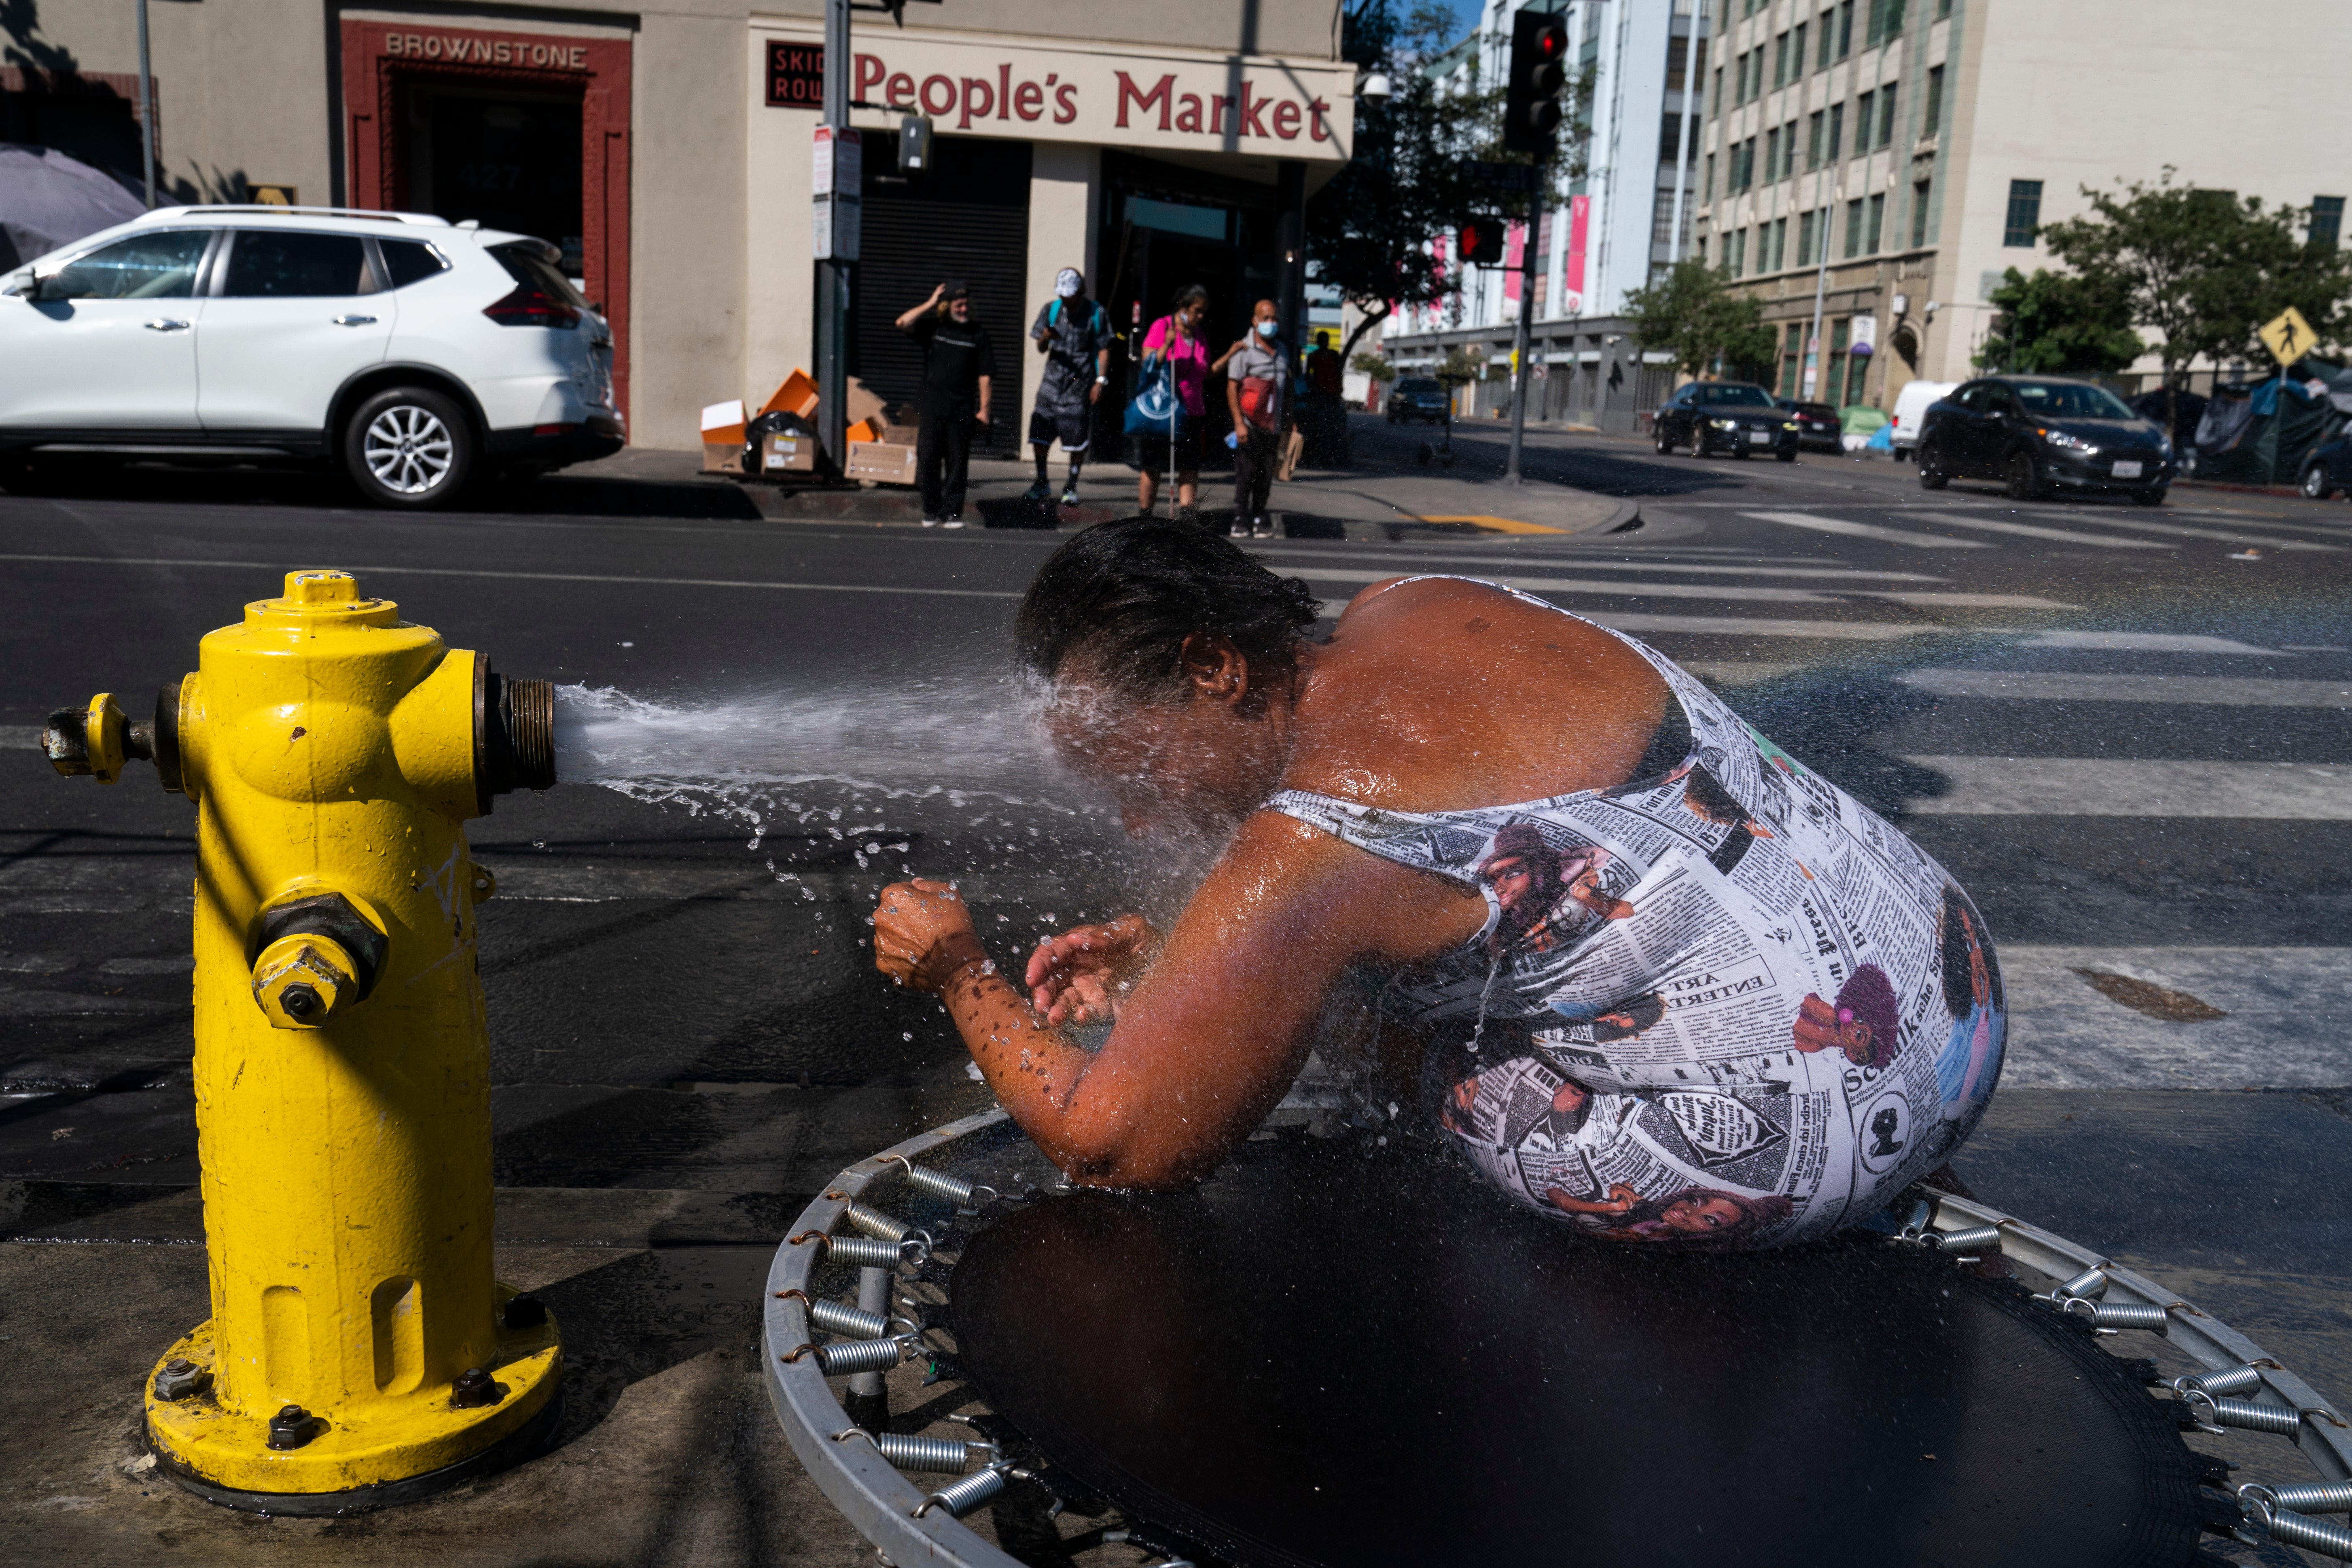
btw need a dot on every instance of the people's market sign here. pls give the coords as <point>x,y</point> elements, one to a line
<point>977,85</point>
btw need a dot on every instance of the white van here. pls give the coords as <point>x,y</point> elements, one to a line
<point>1911,413</point>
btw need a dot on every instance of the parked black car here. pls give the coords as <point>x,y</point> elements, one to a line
<point>2329,469</point>
<point>1418,397</point>
<point>1735,416</point>
<point>2043,433</point>
<point>1818,425</point>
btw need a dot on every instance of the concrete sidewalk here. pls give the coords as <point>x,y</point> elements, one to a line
<point>1401,486</point>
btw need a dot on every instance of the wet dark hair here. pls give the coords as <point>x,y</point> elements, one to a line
<point>1128,594</point>
<point>1186,295</point>
<point>1960,922</point>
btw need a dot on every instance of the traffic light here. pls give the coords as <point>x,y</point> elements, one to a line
<point>1480,241</point>
<point>1531,108</point>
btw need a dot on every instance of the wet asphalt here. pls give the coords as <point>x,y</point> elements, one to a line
<point>2128,731</point>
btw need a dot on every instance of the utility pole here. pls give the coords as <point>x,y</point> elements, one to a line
<point>838,229</point>
<point>1684,150</point>
<point>1519,354</point>
<point>1820,288</point>
<point>146,108</point>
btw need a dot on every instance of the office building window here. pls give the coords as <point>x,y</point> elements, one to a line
<point>1771,155</point>
<point>1747,163</point>
<point>1934,117</point>
<point>1797,51</point>
<point>1813,127</point>
<point>1805,240</point>
<point>1791,344</point>
<point>1719,91</point>
<point>1780,60</point>
<point>1920,214</point>
<point>1943,9</point>
<point>1877,222</point>
<point>1707,186</point>
<point>1789,148</point>
<point>1739,244</point>
<point>1852,229</point>
<point>1861,112</point>
<point>2025,214</point>
<point>1834,385</point>
<point>2326,221</point>
<point>1886,21</point>
<point>1886,116</point>
<point>1780,244</point>
<point>1826,32</point>
<point>1846,29</point>
<point>1837,127</point>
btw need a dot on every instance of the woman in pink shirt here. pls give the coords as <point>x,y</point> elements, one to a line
<point>1177,335</point>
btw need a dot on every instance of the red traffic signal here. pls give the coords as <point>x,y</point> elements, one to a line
<point>1531,106</point>
<point>1480,241</point>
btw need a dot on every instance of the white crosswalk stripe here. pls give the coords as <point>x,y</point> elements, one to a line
<point>1285,559</point>
<point>2143,642</point>
<point>2280,1023</point>
<point>2114,786</point>
<point>2143,525</point>
<point>2034,531</point>
<point>2071,686</point>
<point>1853,530</point>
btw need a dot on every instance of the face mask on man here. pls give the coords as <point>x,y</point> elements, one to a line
<point>1266,329</point>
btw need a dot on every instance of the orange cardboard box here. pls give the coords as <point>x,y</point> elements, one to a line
<point>797,397</point>
<point>722,437</point>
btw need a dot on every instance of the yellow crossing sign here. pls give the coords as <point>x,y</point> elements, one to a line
<point>2289,337</point>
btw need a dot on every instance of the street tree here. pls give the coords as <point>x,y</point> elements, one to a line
<point>2204,269</point>
<point>2060,323</point>
<point>1689,311</point>
<point>1370,229</point>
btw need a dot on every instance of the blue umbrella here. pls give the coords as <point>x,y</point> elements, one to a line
<point>48,201</point>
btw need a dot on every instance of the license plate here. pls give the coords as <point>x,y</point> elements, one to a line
<point>2127,471</point>
<point>1759,438</point>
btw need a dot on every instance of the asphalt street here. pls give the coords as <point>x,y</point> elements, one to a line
<point>2127,731</point>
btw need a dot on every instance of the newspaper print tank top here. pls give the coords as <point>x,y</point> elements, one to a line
<point>1725,1005</point>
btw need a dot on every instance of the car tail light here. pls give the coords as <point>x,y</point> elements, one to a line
<point>532,305</point>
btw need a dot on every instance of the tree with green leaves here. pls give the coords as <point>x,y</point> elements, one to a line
<point>1369,228</point>
<point>2060,323</point>
<point>1689,311</point>
<point>2204,269</point>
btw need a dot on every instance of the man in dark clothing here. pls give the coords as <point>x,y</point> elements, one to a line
<point>959,364</point>
<point>1073,335</point>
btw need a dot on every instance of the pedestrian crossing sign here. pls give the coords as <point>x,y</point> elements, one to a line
<point>2288,336</point>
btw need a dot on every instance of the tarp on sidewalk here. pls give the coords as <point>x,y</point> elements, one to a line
<point>49,200</point>
<point>2259,433</point>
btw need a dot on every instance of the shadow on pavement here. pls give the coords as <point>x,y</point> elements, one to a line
<point>562,494</point>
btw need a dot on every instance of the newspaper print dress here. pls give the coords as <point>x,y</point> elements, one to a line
<point>1726,1006</point>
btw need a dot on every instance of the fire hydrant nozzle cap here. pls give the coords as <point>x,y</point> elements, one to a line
<point>321,587</point>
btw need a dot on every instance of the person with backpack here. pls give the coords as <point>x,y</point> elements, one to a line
<point>1173,348</point>
<point>1074,334</point>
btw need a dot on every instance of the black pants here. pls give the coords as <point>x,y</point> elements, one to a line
<point>943,442</point>
<point>1255,461</point>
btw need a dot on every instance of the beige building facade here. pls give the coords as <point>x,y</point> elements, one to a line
<point>1917,146</point>
<point>669,152</point>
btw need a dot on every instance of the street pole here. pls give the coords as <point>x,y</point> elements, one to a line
<point>1519,354</point>
<point>834,273</point>
<point>1821,290</point>
<point>146,108</point>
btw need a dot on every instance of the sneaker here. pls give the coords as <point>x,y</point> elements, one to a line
<point>1264,529</point>
<point>1070,494</point>
<point>952,523</point>
<point>930,523</point>
<point>1240,530</point>
<point>1040,492</point>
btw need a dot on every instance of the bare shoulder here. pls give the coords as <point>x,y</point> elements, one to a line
<point>1447,693</point>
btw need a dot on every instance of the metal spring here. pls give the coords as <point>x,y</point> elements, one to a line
<point>2321,1535</point>
<point>1985,1238</point>
<point>949,1455</point>
<point>2090,1282</point>
<point>959,1498</point>
<point>2328,1497</point>
<point>852,1322</point>
<point>881,1226</point>
<point>867,1251</point>
<point>855,1355</point>
<point>2120,1314</point>
<point>2246,1414</point>
<point>2228,1380</point>
<point>940,1185</point>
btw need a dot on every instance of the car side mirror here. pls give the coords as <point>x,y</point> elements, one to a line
<point>43,287</point>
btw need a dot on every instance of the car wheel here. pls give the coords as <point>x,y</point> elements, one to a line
<point>2024,477</point>
<point>2152,496</point>
<point>1665,443</point>
<point>406,446</point>
<point>2315,482</point>
<point>1932,475</point>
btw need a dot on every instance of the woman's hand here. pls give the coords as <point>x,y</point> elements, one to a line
<point>923,935</point>
<point>1076,977</point>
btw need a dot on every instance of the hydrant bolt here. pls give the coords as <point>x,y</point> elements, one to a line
<point>180,1379</point>
<point>474,1390</point>
<point>292,1428</point>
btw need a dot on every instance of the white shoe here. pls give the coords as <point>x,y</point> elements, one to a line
<point>1070,494</point>
<point>1265,528</point>
<point>952,523</point>
<point>1240,530</point>
<point>930,523</point>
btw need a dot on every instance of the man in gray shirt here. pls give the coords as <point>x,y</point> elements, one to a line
<point>1258,393</point>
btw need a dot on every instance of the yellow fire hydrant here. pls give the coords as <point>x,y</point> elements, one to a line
<point>360,1350</point>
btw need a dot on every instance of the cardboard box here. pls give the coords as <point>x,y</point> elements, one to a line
<point>881,463</point>
<point>788,454</point>
<point>722,437</point>
<point>797,396</point>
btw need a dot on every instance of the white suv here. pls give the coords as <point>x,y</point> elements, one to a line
<point>417,352</point>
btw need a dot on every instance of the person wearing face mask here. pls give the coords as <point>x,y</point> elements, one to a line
<point>1073,335</point>
<point>1176,338</point>
<point>1257,395</point>
<point>958,363</point>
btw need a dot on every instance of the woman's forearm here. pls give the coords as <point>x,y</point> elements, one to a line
<point>1032,1067</point>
